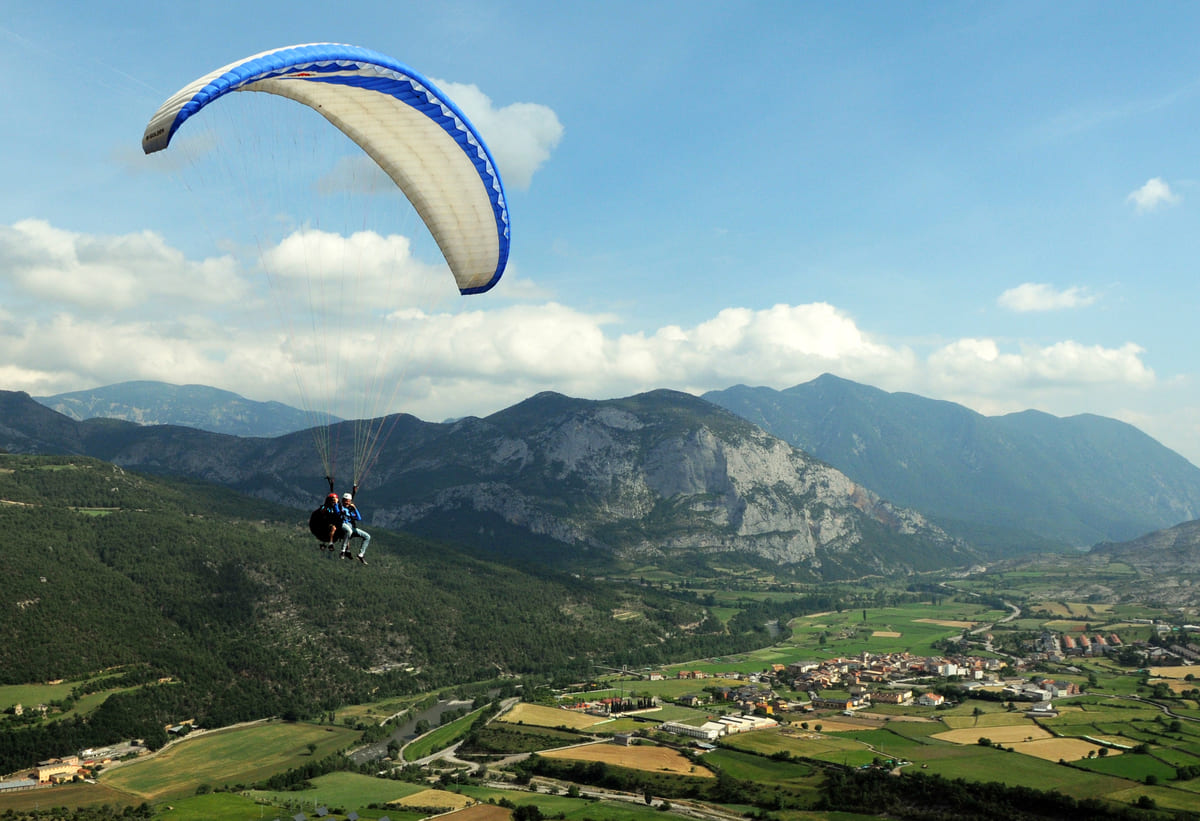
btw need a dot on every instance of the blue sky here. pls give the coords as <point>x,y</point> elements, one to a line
<point>993,204</point>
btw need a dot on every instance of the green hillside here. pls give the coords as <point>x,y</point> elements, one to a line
<point>208,605</point>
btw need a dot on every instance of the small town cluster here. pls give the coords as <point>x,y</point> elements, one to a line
<point>850,684</point>
<point>844,685</point>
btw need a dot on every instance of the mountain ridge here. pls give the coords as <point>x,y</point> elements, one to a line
<point>148,402</point>
<point>1069,482</point>
<point>662,474</point>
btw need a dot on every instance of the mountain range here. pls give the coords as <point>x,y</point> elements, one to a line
<point>833,477</point>
<point>664,477</point>
<point>194,406</point>
<point>1022,480</point>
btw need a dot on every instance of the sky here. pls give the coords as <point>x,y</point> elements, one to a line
<point>993,204</point>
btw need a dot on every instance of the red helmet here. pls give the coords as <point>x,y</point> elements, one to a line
<point>332,497</point>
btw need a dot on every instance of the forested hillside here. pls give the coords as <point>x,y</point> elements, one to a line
<point>228,601</point>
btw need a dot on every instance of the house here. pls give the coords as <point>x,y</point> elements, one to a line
<point>931,700</point>
<point>743,724</point>
<point>57,769</point>
<point>892,697</point>
<point>1057,689</point>
<point>708,731</point>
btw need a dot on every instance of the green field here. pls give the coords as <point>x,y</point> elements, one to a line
<point>1131,766</point>
<point>31,695</point>
<point>759,769</point>
<point>340,789</point>
<point>240,755</point>
<point>440,738</point>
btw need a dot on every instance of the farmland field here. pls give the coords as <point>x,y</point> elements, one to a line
<point>1053,749</point>
<point>346,789</point>
<point>73,795</point>
<point>434,799</point>
<point>242,755</point>
<point>1134,767</point>
<point>976,763</point>
<point>440,737</point>
<point>542,716</point>
<point>947,623</point>
<point>30,695</point>
<point>641,757</point>
<point>960,722</point>
<point>1010,734</point>
<point>756,768</point>
<point>1183,671</point>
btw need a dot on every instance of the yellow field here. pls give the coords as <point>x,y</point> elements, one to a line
<point>999,735</point>
<point>988,720</point>
<point>947,622</point>
<point>1175,685</point>
<point>1052,749</point>
<point>541,716</point>
<point>642,757</point>
<point>439,799</point>
<point>1182,671</point>
<point>887,634</point>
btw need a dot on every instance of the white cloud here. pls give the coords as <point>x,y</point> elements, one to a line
<point>1154,193</point>
<point>1038,296</point>
<point>359,352</point>
<point>115,274</point>
<point>980,366</point>
<point>365,261</point>
<point>521,136</point>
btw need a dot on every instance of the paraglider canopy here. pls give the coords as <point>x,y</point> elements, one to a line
<point>413,131</point>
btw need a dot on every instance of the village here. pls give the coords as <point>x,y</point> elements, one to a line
<point>732,702</point>
<point>848,685</point>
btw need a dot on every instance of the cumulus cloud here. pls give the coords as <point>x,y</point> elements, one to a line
<point>116,274</point>
<point>448,356</point>
<point>980,364</point>
<point>364,261</point>
<point>1038,296</point>
<point>1153,194</point>
<point>521,136</point>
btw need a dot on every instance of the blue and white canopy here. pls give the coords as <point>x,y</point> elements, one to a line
<point>413,131</point>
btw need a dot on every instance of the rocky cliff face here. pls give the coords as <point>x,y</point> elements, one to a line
<point>665,474</point>
<point>659,476</point>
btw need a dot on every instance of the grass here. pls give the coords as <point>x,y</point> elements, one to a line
<point>217,807</point>
<point>341,789</point>
<point>31,695</point>
<point>241,755</point>
<point>756,768</point>
<point>975,763</point>
<point>67,795</point>
<point>1133,767</point>
<point>440,738</point>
